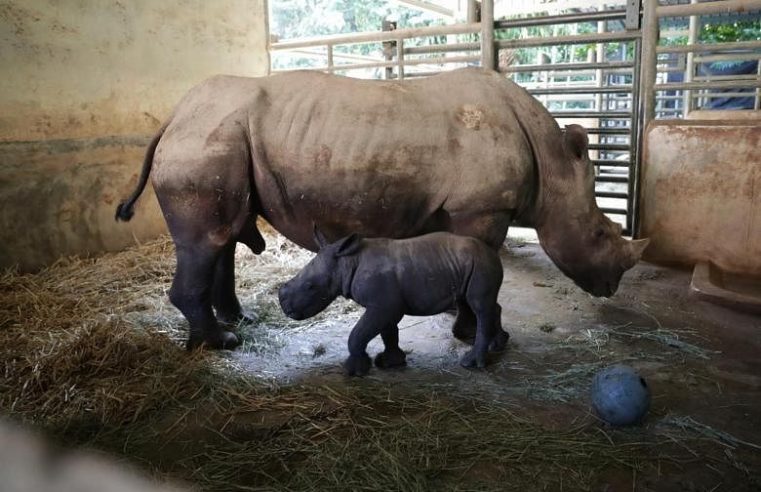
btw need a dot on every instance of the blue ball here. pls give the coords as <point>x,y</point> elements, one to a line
<point>620,396</point>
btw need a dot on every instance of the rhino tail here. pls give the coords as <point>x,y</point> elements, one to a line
<point>126,209</point>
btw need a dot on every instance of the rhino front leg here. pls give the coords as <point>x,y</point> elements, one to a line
<point>368,327</point>
<point>191,294</point>
<point>392,356</point>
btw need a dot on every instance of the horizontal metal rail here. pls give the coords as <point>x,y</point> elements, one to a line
<point>609,131</point>
<point>604,15</point>
<point>716,95</point>
<point>723,84</point>
<point>612,194</point>
<point>611,179</point>
<point>609,146</point>
<point>702,48</point>
<point>407,62</point>
<point>376,37</point>
<point>605,37</point>
<point>582,90</point>
<point>614,211</point>
<point>611,115</point>
<point>569,66</point>
<point>706,8</point>
<point>610,163</point>
<point>441,48</point>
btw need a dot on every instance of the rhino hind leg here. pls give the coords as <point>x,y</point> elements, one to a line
<point>476,357</point>
<point>223,296</point>
<point>392,356</point>
<point>191,293</point>
<point>464,327</point>
<point>499,342</point>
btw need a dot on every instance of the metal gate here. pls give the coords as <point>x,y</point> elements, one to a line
<point>600,90</point>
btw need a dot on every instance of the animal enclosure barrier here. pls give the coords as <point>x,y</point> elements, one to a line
<point>592,65</point>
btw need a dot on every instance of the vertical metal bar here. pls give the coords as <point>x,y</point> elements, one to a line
<point>631,21</point>
<point>635,145</point>
<point>599,58</point>
<point>472,11</point>
<point>388,48</point>
<point>488,58</point>
<point>757,104</point>
<point>692,38</point>
<point>649,65</point>
<point>330,57</point>
<point>400,58</point>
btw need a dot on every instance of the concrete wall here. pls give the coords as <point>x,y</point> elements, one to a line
<point>83,86</point>
<point>701,193</point>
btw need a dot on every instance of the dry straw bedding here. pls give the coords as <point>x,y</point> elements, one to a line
<point>91,352</point>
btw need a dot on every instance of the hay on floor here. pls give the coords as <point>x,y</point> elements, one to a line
<point>92,353</point>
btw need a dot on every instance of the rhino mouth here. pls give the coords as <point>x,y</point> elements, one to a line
<point>599,288</point>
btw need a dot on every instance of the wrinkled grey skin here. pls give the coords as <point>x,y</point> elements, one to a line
<point>467,151</point>
<point>421,276</point>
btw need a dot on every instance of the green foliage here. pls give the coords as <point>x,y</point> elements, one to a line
<point>749,30</point>
<point>306,18</point>
<point>291,19</point>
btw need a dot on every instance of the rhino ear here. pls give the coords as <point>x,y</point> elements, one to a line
<point>636,248</point>
<point>576,140</point>
<point>348,245</point>
<point>319,237</point>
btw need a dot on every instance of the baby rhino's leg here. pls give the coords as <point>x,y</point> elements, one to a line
<point>392,356</point>
<point>499,342</point>
<point>372,322</point>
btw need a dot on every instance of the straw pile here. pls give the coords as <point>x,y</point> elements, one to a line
<point>91,352</point>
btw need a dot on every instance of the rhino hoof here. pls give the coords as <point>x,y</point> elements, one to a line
<point>391,358</point>
<point>358,365</point>
<point>499,342</point>
<point>473,358</point>
<point>223,340</point>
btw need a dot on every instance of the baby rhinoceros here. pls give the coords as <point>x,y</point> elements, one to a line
<point>420,276</point>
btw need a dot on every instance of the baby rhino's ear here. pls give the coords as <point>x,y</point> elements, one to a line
<point>319,237</point>
<point>348,245</point>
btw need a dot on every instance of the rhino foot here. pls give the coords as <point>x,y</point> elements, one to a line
<point>464,330</point>
<point>391,358</point>
<point>358,365</point>
<point>222,340</point>
<point>499,342</point>
<point>474,358</point>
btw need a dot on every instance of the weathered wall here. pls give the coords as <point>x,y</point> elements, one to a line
<point>701,193</point>
<point>84,85</point>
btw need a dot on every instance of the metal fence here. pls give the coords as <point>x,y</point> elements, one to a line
<point>613,93</point>
<point>696,90</point>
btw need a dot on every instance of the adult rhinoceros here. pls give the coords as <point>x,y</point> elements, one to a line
<point>466,151</point>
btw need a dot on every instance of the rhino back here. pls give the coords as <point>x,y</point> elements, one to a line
<point>385,156</point>
<point>429,272</point>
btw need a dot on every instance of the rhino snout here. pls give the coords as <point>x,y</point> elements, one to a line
<point>285,302</point>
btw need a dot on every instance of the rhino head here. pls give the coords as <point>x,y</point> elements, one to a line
<point>584,244</point>
<point>321,280</point>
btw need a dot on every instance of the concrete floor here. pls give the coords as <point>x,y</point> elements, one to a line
<point>701,361</point>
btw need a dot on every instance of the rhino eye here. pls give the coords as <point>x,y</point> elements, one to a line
<point>599,233</point>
